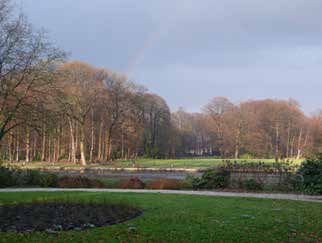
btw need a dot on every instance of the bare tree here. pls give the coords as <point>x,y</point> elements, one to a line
<point>25,61</point>
<point>80,85</point>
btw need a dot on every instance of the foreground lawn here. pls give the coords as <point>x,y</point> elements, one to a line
<point>194,163</point>
<point>181,218</point>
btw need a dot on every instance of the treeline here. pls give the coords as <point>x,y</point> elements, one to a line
<point>88,114</point>
<point>251,129</point>
<point>53,110</point>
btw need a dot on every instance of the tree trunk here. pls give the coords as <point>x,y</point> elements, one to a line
<point>76,142</point>
<point>27,145</point>
<point>43,150</point>
<point>122,144</point>
<point>92,142</point>
<point>72,140</point>
<point>58,143</point>
<point>108,145</point>
<point>301,146</point>
<point>292,147</point>
<point>49,148</point>
<point>17,147</point>
<point>10,147</point>
<point>82,145</point>
<point>277,138</point>
<point>34,147</point>
<point>100,142</point>
<point>299,150</point>
<point>288,140</point>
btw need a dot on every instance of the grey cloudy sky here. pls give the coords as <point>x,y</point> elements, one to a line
<point>188,51</point>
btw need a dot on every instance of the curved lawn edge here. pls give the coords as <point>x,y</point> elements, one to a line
<point>294,197</point>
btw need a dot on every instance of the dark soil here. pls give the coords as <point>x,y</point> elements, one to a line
<point>60,216</point>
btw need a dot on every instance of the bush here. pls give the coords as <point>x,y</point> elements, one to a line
<point>49,180</point>
<point>33,178</point>
<point>12,177</point>
<point>132,183</point>
<point>311,171</point>
<point>293,182</point>
<point>165,184</point>
<point>6,178</point>
<point>189,181</point>
<point>252,185</point>
<point>212,179</point>
<point>79,182</point>
<point>236,184</point>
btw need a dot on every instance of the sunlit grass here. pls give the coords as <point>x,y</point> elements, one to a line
<point>192,163</point>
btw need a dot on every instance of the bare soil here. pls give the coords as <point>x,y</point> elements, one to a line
<point>52,217</point>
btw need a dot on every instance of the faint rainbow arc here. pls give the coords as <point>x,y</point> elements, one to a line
<point>147,44</point>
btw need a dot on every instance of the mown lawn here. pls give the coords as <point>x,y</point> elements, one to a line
<point>194,163</point>
<point>182,218</point>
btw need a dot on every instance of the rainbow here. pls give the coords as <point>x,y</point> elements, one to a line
<point>147,44</point>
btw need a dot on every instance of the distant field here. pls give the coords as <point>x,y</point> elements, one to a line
<point>193,163</point>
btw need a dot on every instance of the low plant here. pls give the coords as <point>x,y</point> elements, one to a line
<point>10,177</point>
<point>49,180</point>
<point>236,184</point>
<point>212,179</point>
<point>311,172</point>
<point>252,185</point>
<point>6,178</point>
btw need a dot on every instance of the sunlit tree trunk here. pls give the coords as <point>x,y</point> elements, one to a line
<point>72,141</point>
<point>92,136</point>
<point>100,142</point>
<point>43,150</point>
<point>288,140</point>
<point>10,145</point>
<point>277,138</point>
<point>27,144</point>
<point>82,145</point>
<point>17,146</point>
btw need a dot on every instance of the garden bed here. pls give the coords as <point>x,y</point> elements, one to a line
<point>52,217</point>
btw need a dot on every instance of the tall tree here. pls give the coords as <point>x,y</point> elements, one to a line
<point>26,59</point>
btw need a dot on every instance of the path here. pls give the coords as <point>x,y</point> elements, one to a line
<point>204,193</point>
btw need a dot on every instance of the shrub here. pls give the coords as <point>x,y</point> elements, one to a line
<point>12,177</point>
<point>49,180</point>
<point>189,181</point>
<point>236,184</point>
<point>212,179</point>
<point>252,185</point>
<point>311,171</point>
<point>293,182</point>
<point>165,184</point>
<point>79,182</point>
<point>33,178</point>
<point>132,183</point>
<point>6,178</point>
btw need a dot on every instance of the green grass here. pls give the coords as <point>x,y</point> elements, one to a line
<point>194,163</point>
<point>182,218</point>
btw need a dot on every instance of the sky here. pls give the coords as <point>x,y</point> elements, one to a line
<point>189,51</point>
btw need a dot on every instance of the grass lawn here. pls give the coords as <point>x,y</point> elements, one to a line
<point>182,218</point>
<point>194,163</point>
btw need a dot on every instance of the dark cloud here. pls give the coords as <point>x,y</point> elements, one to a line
<point>188,51</point>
